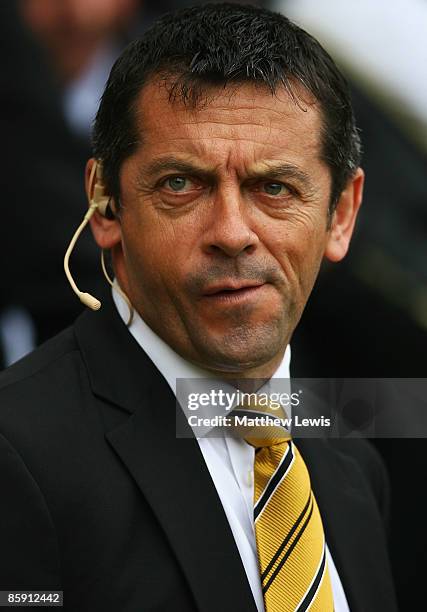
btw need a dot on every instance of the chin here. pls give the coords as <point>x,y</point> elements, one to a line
<point>237,354</point>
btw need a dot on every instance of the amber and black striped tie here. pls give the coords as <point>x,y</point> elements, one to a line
<point>288,527</point>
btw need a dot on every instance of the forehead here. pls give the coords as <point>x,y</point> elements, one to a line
<point>244,119</point>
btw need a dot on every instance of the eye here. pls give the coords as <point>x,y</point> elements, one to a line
<point>275,189</point>
<point>177,183</point>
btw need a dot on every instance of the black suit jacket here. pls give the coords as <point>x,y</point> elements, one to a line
<point>99,498</point>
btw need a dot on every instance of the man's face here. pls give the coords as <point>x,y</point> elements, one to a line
<point>224,223</point>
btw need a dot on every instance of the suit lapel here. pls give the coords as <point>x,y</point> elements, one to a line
<point>171,473</point>
<point>353,528</point>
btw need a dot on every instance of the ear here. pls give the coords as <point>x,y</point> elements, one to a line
<point>107,232</point>
<point>344,218</point>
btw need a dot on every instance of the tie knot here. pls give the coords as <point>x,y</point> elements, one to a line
<point>261,423</point>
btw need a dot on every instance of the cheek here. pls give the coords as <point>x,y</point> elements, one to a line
<point>298,247</point>
<point>155,251</point>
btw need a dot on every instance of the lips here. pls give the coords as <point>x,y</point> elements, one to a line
<point>230,287</point>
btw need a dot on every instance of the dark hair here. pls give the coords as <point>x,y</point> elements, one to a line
<point>221,44</point>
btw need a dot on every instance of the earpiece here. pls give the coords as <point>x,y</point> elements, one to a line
<point>99,202</point>
<point>98,198</point>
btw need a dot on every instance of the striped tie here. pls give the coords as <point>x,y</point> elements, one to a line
<point>288,527</point>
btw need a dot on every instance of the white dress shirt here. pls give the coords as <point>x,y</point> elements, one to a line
<point>229,460</point>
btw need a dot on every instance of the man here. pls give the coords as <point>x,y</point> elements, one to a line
<point>231,168</point>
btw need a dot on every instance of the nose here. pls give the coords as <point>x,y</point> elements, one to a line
<point>229,230</point>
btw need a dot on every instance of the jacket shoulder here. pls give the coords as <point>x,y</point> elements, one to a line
<point>39,369</point>
<point>40,358</point>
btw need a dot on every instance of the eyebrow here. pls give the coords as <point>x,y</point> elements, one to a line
<point>282,170</point>
<point>173,163</point>
<point>266,170</point>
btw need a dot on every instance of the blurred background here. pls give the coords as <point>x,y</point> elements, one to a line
<point>367,316</point>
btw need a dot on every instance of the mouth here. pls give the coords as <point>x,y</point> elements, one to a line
<point>233,293</point>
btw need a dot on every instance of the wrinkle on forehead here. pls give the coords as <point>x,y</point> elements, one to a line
<point>249,125</point>
<point>244,106</point>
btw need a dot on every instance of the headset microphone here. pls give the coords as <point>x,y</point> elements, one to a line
<point>99,202</point>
